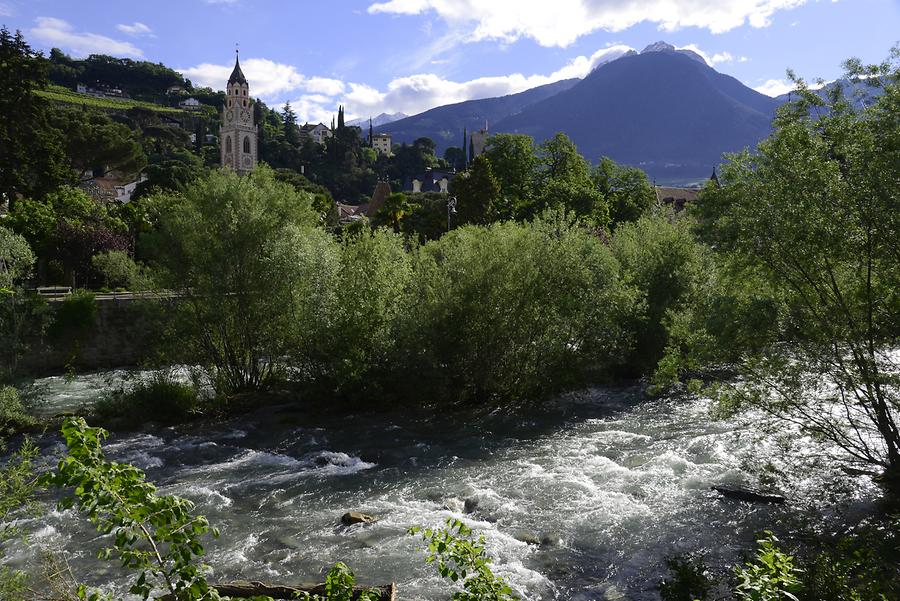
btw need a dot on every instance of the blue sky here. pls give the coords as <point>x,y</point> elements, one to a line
<point>411,55</point>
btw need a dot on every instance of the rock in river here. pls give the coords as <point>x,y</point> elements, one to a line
<point>356,517</point>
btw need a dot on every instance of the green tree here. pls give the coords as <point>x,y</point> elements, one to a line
<point>564,182</point>
<point>235,246</point>
<point>626,190</point>
<point>31,156</point>
<point>814,210</point>
<point>94,144</point>
<point>476,192</point>
<point>20,312</point>
<point>395,209</point>
<point>455,157</point>
<point>16,259</point>
<point>514,163</point>
<point>660,256</point>
<point>289,121</point>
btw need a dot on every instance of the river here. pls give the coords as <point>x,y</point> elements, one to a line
<point>614,482</point>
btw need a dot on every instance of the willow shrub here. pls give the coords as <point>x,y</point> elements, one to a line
<point>353,303</point>
<point>513,311</point>
<point>659,255</point>
<point>240,251</point>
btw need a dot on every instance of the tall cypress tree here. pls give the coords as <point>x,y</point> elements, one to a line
<point>341,117</point>
<point>471,149</point>
<point>465,154</point>
<point>32,160</point>
<point>371,133</point>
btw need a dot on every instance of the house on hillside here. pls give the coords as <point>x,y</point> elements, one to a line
<point>190,104</point>
<point>432,180</point>
<point>350,213</point>
<point>175,90</point>
<point>317,133</point>
<point>676,198</point>
<point>381,143</point>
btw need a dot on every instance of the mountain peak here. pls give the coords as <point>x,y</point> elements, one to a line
<point>659,47</point>
<point>669,48</point>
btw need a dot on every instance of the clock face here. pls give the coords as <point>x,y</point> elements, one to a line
<point>245,116</point>
<point>229,115</point>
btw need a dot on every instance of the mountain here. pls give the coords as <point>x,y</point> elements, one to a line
<point>382,119</point>
<point>445,124</point>
<point>859,93</point>
<point>663,110</point>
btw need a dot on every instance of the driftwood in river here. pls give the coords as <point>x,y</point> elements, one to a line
<point>747,494</point>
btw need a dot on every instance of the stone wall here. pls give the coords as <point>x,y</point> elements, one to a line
<point>122,332</point>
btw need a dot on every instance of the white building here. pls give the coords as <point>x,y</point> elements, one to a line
<point>317,133</point>
<point>382,143</point>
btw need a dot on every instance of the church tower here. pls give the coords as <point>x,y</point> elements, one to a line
<point>238,134</point>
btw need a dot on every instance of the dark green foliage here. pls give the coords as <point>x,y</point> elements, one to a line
<point>16,259</point>
<point>660,256</point>
<point>863,567</point>
<point>22,320</point>
<point>339,583</point>
<point>689,582</point>
<point>238,247</point>
<point>95,144</point>
<point>160,399</point>
<point>18,487</point>
<point>31,155</point>
<point>514,311</point>
<point>813,215</point>
<point>476,192</point>
<point>74,316</point>
<point>14,419</point>
<point>772,575</point>
<point>139,79</point>
<point>155,535</point>
<point>356,296</point>
<point>460,557</point>
<point>627,190</point>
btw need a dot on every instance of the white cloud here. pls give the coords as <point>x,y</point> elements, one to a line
<point>136,29</point>
<point>6,10</point>
<point>324,85</point>
<point>59,33</point>
<point>775,87</point>
<point>711,59</point>
<point>267,78</point>
<point>561,22</point>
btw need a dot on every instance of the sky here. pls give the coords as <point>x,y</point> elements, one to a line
<point>411,55</point>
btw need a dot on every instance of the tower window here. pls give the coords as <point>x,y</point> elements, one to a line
<point>245,103</point>
<point>247,144</point>
<point>245,92</point>
<point>228,144</point>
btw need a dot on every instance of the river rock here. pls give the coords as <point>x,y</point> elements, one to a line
<point>751,495</point>
<point>471,505</point>
<point>356,517</point>
<point>528,538</point>
<point>550,540</point>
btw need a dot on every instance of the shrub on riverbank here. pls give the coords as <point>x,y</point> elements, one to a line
<point>160,399</point>
<point>14,419</point>
<point>513,311</point>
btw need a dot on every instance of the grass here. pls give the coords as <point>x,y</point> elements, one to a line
<point>61,94</point>
<point>160,399</point>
